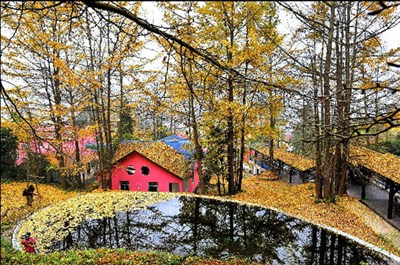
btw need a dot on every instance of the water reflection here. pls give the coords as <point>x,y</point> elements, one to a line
<point>205,227</point>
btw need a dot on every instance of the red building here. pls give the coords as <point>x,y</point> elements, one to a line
<point>154,166</point>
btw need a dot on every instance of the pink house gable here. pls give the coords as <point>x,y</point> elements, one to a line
<point>145,175</point>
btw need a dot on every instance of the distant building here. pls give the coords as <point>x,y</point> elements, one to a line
<point>86,145</point>
<point>41,147</point>
<point>163,166</point>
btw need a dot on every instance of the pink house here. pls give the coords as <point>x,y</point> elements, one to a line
<point>153,166</point>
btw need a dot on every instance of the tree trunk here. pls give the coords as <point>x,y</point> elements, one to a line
<point>327,109</point>
<point>242,132</point>
<point>58,123</point>
<point>77,150</point>
<point>337,167</point>
<point>198,148</point>
<point>271,137</point>
<point>107,125</point>
<point>193,121</point>
<point>317,127</point>
<point>96,113</point>
<point>349,75</point>
<point>230,134</point>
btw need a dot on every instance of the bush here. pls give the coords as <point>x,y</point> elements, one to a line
<point>35,164</point>
<point>8,153</point>
<point>105,256</point>
<point>391,146</point>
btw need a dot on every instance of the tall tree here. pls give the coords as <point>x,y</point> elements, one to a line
<point>236,33</point>
<point>343,41</point>
<point>42,66</point>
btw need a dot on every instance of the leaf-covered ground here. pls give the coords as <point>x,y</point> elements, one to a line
<point>347,214</point>
<point>13,204</point>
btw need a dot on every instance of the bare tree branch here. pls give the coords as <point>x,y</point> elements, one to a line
<point>3,90</point>
<point>156,30</point>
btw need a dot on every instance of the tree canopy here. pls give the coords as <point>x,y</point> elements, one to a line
<point>228,78</point>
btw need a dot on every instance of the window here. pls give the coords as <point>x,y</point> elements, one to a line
<point>153,186</point>
<point>173,187</point>
<point>130,170</point>
<point>145,170</point>
<point>124,185</point>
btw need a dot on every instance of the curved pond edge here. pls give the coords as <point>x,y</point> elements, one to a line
<point>361,242</point>
<point>391,256</point>
<point>15,239</point>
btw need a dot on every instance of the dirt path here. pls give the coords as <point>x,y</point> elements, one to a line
<point>379,225</point>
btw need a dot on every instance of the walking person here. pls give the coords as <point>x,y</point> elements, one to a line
<point>29,192</point>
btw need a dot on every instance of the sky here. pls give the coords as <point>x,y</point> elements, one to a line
<point>392,37</point>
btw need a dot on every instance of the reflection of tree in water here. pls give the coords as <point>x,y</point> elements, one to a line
<point>136,229</point>
<point>229,229</point>
<point>328,248</point>
<point>218,229</point>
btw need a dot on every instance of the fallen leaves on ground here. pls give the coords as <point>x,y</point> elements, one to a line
<point>13,204</point>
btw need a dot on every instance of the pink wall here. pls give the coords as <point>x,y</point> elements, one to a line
<point>193,183</point>
<point>139,182</point>
<point>68,148</point>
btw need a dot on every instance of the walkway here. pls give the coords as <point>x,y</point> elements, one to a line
<point>377,200</point>
<point>296,178</point>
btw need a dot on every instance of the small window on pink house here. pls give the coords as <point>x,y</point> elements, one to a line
<point>145,170</point>
<point>130,170</point>
<point>174,187</point>
<point>153,186</point>
<point>124,185</point>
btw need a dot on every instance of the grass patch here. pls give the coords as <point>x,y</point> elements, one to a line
<point>106,256</point>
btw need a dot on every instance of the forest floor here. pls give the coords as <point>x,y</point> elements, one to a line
<point>347,214</point>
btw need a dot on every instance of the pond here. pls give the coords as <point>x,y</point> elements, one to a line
<point>220,229</point>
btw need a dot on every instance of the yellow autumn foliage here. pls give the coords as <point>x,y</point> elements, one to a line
<point>384,164</point>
